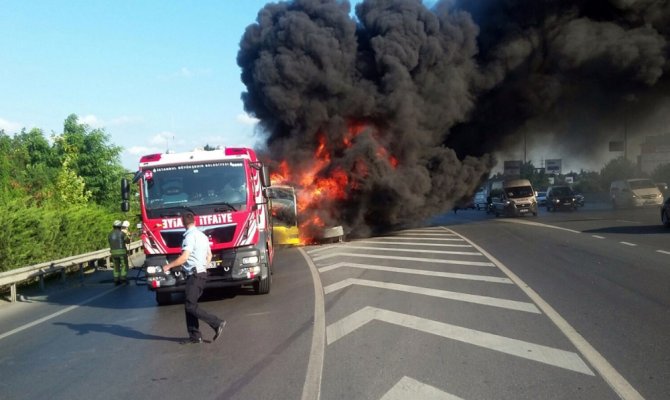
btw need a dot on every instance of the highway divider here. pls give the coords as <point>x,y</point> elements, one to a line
<point>62,266</point>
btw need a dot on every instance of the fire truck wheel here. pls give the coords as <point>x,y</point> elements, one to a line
<point>163,298</point>
<point>262,286</point>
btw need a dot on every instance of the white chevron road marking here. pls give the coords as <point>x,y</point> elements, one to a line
<point>443,294</point>
<point>457,253</point>
<point>535,352</point>
<point>483,278</point>
<point>613,378</point>
<point>436,233</point>
<point>418,259</point>
<point>452,238</point>
<point>408,388</point>
<point>414,243</point>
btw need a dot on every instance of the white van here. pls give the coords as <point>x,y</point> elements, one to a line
<point>514,197</point>
<point>635,193</point>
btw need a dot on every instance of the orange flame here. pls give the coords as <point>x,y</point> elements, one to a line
<point>321,186</point>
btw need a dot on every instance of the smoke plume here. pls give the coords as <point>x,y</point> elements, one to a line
<point>409,102</point>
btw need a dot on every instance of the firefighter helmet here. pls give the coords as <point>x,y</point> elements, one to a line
<point>117,224</point>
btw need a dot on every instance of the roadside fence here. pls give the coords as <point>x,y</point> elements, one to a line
<point>80,262</point>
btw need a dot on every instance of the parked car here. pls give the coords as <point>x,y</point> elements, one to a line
<point>541,198</point>
<point>579,199</point>
<point>635,193</point>
<point>665,213</point>
<point>561,197</point>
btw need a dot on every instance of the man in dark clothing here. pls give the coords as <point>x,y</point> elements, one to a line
<point>194,259</point>
<point>118,251</point>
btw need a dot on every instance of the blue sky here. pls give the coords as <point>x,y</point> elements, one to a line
<point>145,71</point>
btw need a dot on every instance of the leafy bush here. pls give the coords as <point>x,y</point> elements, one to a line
<point>31,235</point>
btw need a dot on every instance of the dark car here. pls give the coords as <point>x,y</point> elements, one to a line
<point>561,197</point>
<point>665,213</point>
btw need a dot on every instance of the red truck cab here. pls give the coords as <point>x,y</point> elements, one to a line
<point>226,191</point>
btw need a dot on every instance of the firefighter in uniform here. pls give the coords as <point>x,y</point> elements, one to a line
<point>118,240</point>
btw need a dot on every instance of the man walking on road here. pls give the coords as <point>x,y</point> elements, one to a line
<point>194,258</point>
<point>118,251</point>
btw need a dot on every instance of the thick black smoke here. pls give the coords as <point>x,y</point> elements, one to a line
<point>577,70</point>
<point>440,89</point>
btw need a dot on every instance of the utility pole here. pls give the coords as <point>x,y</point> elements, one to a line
<point>524,146</point>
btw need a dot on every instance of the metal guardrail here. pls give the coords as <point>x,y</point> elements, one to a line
<point>39,271</point>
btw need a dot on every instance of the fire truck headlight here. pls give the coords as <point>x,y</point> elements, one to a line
<point>154,270</point>
<point>250,260</point>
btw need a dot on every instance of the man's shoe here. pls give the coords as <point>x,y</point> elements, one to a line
<point>219,330</point>
<point>191,341</point>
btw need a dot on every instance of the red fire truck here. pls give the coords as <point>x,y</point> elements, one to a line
<point>226,190</point>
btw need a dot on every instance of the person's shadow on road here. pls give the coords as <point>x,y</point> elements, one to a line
<point>118,330</point>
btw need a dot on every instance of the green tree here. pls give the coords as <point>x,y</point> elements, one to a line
<point>661,173</point>
<point>618,168</point>
<point>93,158</point>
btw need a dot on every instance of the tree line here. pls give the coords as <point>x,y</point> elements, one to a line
<point>58,196</point>
<point>593,181</point>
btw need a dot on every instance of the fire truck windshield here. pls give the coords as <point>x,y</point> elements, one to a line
<point>209,185</point>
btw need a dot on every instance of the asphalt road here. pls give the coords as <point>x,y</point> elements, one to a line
<point>562,306</point>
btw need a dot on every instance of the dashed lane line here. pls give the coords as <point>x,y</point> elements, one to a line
<point>598,236</point>
<point>515,221</point>
<point>57,313</point>
<point>663,252</point>
<point>442,294</point>
<point>451,275</point>
<point>628,244</point>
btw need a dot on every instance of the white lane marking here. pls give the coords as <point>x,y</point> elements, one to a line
<point>405,250</point>
<point>663,252</point>
<point>518,221</point>
<point>437,233</point>
<point>418,259</point>
<point>598,236</point>
<point>531,351</point>
<point>628,244</point>
<point>482,278</point>
<point>413,244</point>
<point>312,387</point>
<point>408,388</point>
<point>319,249</point>
<point>57,313</point>
<point>613,378</point>
<point>625,221</point>
<point>442,294</point>
<point>437,230</point>
<point>454,239</point>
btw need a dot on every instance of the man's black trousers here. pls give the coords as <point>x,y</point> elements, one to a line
<point>195,285</point>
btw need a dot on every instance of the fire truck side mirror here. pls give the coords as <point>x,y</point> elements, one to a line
<point>125,190</point>
<point>125,206</point>
<point>265,176</point>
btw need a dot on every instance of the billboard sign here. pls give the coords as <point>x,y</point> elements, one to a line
<point>553,166</point>
<point>512,168</point>
<point>616,145</point>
